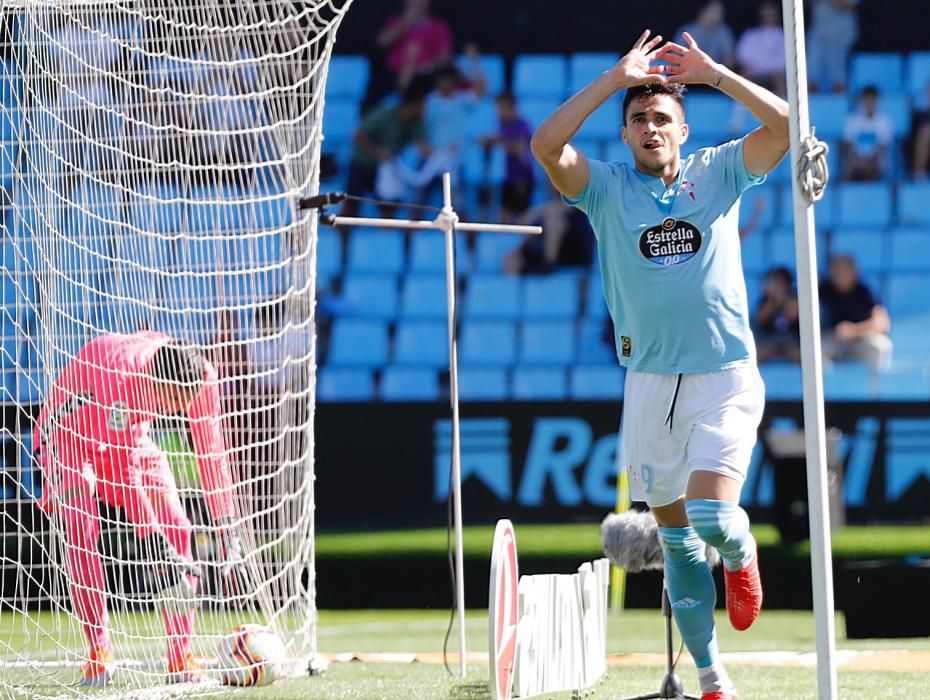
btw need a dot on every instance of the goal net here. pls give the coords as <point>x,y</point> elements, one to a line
<point>151,156</point>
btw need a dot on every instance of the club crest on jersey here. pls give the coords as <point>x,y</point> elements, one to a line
<point>119,416</point>
<point>673,242</point>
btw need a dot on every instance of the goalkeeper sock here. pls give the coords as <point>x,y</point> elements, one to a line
<point>724,525</point>
<point>692,594</point>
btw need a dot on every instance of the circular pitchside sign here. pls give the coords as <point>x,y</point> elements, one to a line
<point>502,598</point>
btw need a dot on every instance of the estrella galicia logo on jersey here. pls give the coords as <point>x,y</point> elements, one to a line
<point>673,242</point>
<point>119,416</point>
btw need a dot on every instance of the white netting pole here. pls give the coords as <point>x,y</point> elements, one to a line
<point>804,193</point>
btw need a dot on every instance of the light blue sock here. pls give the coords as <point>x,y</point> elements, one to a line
<point>693,596</point>
<point>724,525</point>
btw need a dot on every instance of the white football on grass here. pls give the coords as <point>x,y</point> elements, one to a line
<point>251,655</point>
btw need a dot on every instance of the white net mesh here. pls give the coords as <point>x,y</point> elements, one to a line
<point>151,157</point>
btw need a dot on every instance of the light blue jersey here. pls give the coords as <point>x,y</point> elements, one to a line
<point>670,261</point>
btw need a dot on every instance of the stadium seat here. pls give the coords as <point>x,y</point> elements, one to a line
<point>537,109</point>
<point>492,248</point>
<point>483,119</point>
<point>604,123</point>
<point>376,250</point>
<point>539,384</point>
<point>187,307</point>
<point>358,342</point>
<point>913,199</point>
<point>867,248</point>
<point>483,167</point>
<point>488,343</point>
<point>428,253</point>
<point>918,78</point>
<point>847,381</point>
<point>422,343</point>
<point>593,349</point>
<point>864,204</point>
<point>824,210</point>
<point>828,115</point>
<point>909,336</point>
<point>753,253</point>
<point>345,384</point>
<point>907,294</point>
<point>493,296</point>
<point>492,68</point>
<point>547,343</point>
<point>539,75</point>
<point>903,385</point>
<point>408,384</point>
<point>618,152</point>
<point>483,384</point>
<point>595,305</point>
<point>759,203</point>
<point>340,119</point>
<point>347,78</point>
<point>596,382</point>
<point>910,251</point>
<point>9,143</point>
<point>884,70</point>
<point>424,296</point>
<point>159,210</point>
<point>781,248</point>
<point>782,381</point>
<point>898,110</point>
<point>551,296</point>
<point>370,296</point>
<point>585,67</point>
<point>708,115</point>
<point>328,253</point>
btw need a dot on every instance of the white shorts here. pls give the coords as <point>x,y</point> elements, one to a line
<point>675,424</point>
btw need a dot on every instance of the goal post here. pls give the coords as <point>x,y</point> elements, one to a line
<point>151,157</point>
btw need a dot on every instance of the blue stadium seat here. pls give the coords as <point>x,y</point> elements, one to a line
<point>347,78</point>
<point>781,248</point>
<point>618,152</point>
<point>340,119</point>
<point>547,343</point>
<point>761,204</point>
<point>898,110</point>
<point>782,381</point>
<point>596,382</point>
<point>492,248</point>
<point>708,116</point>
<point>884,70</point>
<point>753,253</point>
<point>375,250</point>
<point>903,385</point>
<point>551,296</point>
<point>424,296</point>
<point>480,166</point>
<point>604,123</point>
<point>753,290</point>
<point>910,251</point>
<point>847,381</point>
<point>591,147</point>
<point>370,296</point>
<point>907,294</point>
<point>493,296</point>
<point>825,212</point>
<point>328,253</point>
<point>9,143</point>
<point>483,384</point>
<point>358,343</point>
<point>918,78</point>
<point>593,349</point>
<point>867,247</point>
<point>187,307</point>
<point>483,119</point>
<point>422,343</point>
<point>409,384</point>
<point>488,343</point>
<point>537,109</point>
<point>909,336</point>
<point>585,67</point>
<point>428,253</point>
<point>345,384</point>
<point>828,114</point>
<point>595,305</point>
<point>492,67</point>
<point>912,203</point>
<point>159,210</point>
<point>540,75</point>
<point>864,204</point>
<point>539,384</point>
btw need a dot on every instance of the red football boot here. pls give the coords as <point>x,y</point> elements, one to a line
<point>744,594</point>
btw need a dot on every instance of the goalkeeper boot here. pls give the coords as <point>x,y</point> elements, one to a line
<point>720,695</point>
<point>744,594</point>
<point>185,669</point>
<point>98,671</point>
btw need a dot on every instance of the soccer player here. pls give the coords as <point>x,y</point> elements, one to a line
<point>93,445</point>
<point>668,242</point>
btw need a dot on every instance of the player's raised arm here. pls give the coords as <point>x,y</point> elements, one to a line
<point>566,166</point>
<point>765,146</point>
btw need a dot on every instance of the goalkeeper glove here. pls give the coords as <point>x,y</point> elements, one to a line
<point>170,582</point>
<point>234,573</point>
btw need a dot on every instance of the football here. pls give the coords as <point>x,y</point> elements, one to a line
<point>251,655</point>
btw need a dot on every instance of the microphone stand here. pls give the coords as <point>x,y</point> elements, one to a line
<point>671,688</point>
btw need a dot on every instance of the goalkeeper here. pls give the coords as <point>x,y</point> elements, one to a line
<point>93,444</point>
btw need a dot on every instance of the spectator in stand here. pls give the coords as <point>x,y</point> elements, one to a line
<point>834,30</point>
<point>856,324</point>
<point>513,136</point>
<point>417,43</point>
<point>775,321</point>
<point>761,50</point>
<point>566,241</point>
<point>867,137</point>
<point>920,141</point>
<point>711,32</point>
<point>384,131</point>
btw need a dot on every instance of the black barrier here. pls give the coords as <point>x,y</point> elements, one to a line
<point>387,465</point>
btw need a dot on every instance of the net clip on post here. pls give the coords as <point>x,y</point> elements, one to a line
<point>321,200</point>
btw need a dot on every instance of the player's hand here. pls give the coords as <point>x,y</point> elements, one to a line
<point>636,67</point>
<point>845,330</point>
<point>170,572</point>
<point>688,64</point>
<point>234,573</point>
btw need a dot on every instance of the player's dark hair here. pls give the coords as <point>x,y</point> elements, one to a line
<point>674,90</point>
<point>178,363</point>
<point>784,273</point>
